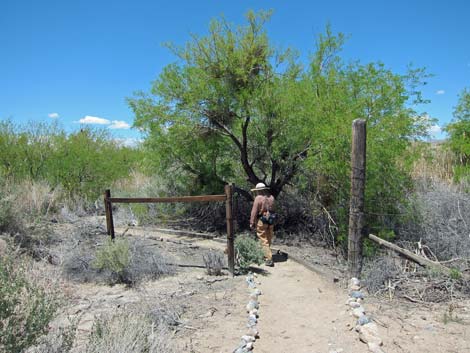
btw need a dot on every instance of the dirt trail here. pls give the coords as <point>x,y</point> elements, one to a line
<point>302,312</point>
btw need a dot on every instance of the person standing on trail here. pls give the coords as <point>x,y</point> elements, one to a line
<point>262,219</point>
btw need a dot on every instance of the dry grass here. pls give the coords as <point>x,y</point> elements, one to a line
<point>129,332</point>
<point>440,222</point>
<point>214,263</point>
<point>435,163</point>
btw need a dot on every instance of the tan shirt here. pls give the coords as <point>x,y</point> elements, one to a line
<point>261,204</point>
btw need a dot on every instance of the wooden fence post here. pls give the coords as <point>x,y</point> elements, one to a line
<point>230,234</point>
<point>356,209</point>
<point>109,213</point>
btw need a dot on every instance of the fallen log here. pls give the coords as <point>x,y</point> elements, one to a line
<point>412,256</point>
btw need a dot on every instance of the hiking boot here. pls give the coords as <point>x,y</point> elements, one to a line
<point>269,263</point>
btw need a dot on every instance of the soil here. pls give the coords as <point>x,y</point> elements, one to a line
<point>301,310</point>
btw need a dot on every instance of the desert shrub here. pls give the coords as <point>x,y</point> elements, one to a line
<point>248,251</point>
<point>147,263</point>
<point>128,333</point>
<point>378,271</point>
<point>441,222</point>
<point>121,261</point>
<point>114,256</point>
<point>26,308</point>
<point>214,263</point>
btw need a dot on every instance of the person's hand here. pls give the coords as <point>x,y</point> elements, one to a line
<point>251,226</point>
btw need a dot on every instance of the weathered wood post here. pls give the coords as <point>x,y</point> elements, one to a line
<point>356,208</point>
<point>230,233</point>
<point>109,213</point>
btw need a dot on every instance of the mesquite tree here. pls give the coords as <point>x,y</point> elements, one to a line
<point>235,108</point>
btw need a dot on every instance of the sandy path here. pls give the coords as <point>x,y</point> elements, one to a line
<point>301,312</point>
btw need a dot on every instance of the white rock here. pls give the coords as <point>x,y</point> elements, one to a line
<point>248,339</point>
<point>354,305</point>
<point>253,331</point>
<point>252,317</point>
<point>369,333</point>
<point>253,304</point>
<point>358,312</point>
<point>354,282</point>
<point>249,346</point>
<point>254,312</point>
<point>374,348</point>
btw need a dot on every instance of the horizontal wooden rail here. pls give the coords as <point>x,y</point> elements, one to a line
<point>168,199</point>
<point>227,197</point>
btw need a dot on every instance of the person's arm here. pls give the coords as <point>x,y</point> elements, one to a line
<point>254,212</point>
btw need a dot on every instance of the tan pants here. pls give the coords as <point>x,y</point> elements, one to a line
<point>265,234</point>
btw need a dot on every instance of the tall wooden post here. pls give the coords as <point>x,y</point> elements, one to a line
<point>109,213</point>
<point>230,233</point>
<point>356,209</point>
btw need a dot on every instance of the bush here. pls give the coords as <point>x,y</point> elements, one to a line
<point>114,256</point>
<point>378,271</point>
<point>214,263</point>
<point>248,251</point>
<point>25,308</point>
<point>121,261</point>
<point>128,333</point>
<point>441,221</point>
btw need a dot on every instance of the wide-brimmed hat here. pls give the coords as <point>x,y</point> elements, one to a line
<point>259,187</point>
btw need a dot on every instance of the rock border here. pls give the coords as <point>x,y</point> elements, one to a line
<point>247,341</point>
<point>365,327</point>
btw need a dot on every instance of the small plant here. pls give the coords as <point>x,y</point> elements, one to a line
<point>25,308</point>
<point>455,274</point>
<point>214,263</point>
<point>248,251</point>
<point>114,256</point>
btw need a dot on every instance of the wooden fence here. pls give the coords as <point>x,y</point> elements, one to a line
<point>227,197</point>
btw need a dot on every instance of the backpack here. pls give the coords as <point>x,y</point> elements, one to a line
<point>267,217</point>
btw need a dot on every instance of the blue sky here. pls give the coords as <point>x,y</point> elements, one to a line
<point>79,60</point>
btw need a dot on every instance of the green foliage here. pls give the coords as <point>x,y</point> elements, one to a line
<point>235,108</point>
<point>248,251</point>
<point>114,256</point>
<point>83,163</point>
<point>455,274</point>
<point>25,308</point>
<point>459,136</point>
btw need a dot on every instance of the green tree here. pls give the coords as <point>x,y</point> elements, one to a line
<point>233,107</point>
<point>218,112</point>
<point>459,130</point>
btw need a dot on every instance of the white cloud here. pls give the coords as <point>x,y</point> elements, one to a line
<point>434,130</point>
<point>119,124</point>
<point>94,120</point>
<point>53,115</point>
<point>441,91</point>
